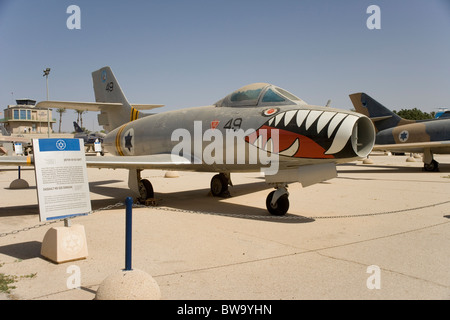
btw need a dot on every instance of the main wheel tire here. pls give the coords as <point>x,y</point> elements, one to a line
<point>219,185</point>
<point>281,206</point>
<point>432,167</point>
<point>145,190</point>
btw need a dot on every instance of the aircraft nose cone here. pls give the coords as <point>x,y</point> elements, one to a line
<point>316,134</point>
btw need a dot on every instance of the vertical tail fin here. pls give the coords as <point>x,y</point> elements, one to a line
<point>77,128</point>
<point>382,117</point>
<point>107,90</point>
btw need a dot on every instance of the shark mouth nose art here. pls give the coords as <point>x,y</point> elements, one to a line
<point>314,134</point>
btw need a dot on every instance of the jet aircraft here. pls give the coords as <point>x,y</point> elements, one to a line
<point>88,138</point>
<point>259,127</point>
<point>400,135</point>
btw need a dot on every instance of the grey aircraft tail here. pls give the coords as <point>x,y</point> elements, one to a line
<point>382,117</point>
<point>107,90</point>
<point>115,110</point>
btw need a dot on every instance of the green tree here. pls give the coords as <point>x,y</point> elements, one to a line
<point>414,114</point>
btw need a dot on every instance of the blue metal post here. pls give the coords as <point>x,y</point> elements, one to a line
<point>128,233</point>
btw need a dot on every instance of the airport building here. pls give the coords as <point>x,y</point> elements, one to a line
<point>25,117</point>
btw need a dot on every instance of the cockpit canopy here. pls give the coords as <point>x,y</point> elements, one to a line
<point>259,95</point>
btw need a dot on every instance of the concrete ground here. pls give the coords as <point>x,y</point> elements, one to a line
<point>379,231</point>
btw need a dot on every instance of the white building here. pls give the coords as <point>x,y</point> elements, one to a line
<point>24,117</point>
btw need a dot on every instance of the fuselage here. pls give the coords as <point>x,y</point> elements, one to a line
<point>418,132</point>
<point>247,138</point>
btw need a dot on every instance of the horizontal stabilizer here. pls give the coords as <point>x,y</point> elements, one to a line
<point>147,106</point>
<point>375,119</point>
<point>86,106</point>
<point>91,106</point>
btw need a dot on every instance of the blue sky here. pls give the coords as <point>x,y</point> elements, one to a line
<point>193,53</point>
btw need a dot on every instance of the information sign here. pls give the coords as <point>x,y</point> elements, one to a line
<point>61,178</point>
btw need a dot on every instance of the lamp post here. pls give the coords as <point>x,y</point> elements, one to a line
<point>46,73</point>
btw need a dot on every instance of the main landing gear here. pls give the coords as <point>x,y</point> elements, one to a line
<point>429,164</point>
<point>145,190</point>
<point>141,187</point>
<point>219,185</point>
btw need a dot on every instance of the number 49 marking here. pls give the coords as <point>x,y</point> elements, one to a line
<point>233,124</point>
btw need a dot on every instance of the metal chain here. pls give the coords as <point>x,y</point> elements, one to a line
<point>112,206</point>
<point>288,217</point>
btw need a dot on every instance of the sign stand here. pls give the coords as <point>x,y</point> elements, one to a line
<point>63,244</point>
<point>63,193</point>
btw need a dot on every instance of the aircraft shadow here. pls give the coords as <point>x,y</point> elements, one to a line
<point>200,200</point>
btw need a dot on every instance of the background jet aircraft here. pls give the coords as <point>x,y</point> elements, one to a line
<point>311,139</point>
<point>88,138</point>
<point>400,135</point>
<point>6,137</point>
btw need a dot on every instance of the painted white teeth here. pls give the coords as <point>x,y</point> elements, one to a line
<point>324,119</point>
<point>278,118</point>
<point>334,123</point>
<point>288,117</point>
<point>344,132</point>
<point>301,116</point>
<point>292,150</point>
<point>313,115</point>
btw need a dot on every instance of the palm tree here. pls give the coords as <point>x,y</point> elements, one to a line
<point>60,111</point>
<point>80,117</point>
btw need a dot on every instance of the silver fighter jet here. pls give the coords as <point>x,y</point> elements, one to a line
<point>259,127</point>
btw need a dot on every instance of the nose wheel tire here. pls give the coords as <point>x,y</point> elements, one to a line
<point>280,207</point>
<point>145,190</point>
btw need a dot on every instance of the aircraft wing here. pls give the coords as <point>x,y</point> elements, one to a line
<point>14,139</point>
<point>412,147</point>
<point>91,106</point>
<point>158,161</point>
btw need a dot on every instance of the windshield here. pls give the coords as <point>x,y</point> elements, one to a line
<point>259,94</point>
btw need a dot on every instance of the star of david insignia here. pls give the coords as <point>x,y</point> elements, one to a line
<point>128,144</point>
<point>404,135</point>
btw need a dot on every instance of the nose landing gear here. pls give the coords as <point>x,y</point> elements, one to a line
<point>277,201</point>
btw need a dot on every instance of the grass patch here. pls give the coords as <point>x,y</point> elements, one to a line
<point>6,281</point>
